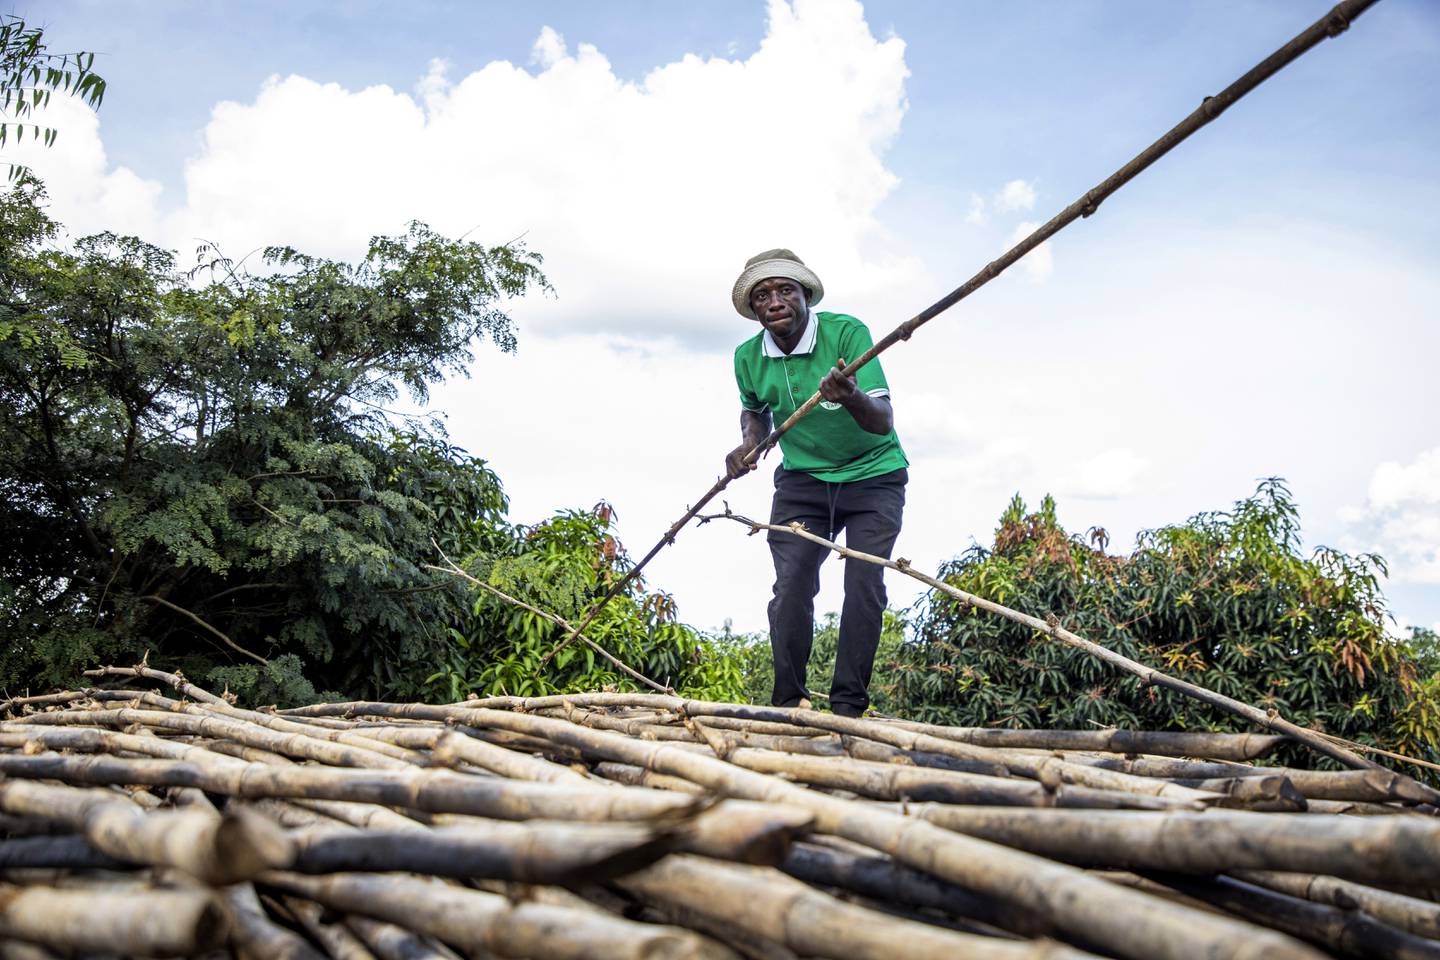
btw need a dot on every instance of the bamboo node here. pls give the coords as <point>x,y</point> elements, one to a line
<point>1337,24</point>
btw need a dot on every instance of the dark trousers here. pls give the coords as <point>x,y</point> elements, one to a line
<point>869,512</point>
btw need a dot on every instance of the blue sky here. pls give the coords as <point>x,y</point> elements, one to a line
<point>1259,303</point>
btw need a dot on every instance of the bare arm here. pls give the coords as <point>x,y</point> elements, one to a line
<point>754,427</point>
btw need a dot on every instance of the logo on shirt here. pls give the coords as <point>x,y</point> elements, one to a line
<point>829,405</point>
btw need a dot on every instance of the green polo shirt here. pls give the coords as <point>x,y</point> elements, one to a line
<point>826,443</point>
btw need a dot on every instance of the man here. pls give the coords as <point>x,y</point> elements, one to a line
<point>843,468</point>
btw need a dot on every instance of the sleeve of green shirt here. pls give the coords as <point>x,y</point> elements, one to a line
<point>869,378</point>
<point>748,399</point>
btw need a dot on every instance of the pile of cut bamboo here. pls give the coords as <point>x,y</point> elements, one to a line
<point>631,825</point>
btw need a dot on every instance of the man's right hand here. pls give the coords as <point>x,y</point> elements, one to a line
<point>735,465</point>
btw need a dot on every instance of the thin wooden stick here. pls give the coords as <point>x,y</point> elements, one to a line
<point>1334,23</point>
<point>207,627</point>
<point>1050,626</point>
<point>559,621</point>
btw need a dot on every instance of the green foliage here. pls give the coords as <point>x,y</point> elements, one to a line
<point>177,452</point>
<point>563,566</point>
<point>1226,600</point>
<point>29,75</point>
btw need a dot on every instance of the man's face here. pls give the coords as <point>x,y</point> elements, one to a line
<point>782,307</point>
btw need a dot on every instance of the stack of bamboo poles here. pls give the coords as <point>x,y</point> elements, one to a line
<point>605,825</point>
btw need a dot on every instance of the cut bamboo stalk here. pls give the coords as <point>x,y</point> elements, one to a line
<point>760,726</point>
<point>1216,746</point>
<point>1348,932</point>
<point>654,910</point>
<point>1124,924</point>
<point>891,781</point>
<point>13,826</point>
<point>216,725</point>
<point>1216,841</point>
<point>20,950</point>
<point>1357,808</point>
<point>153,923</point>
<point>882,878</point>
<point>347,736</point>
<point>436,791</point>
<point>863,749</point>
<point>62,698</point>
<point>1274,794</point>
<point>559,853</point>
<point>255,936</point>
<point>449,748</point>
<point>640,777</point>
<point>218,850</point>
<point>811,923</point>
<point>390,942</point>
<point>1370,786</point>
<point>1420,917</point>
<point>64,852</point>
<point>175,680</point>
<point>474,921</point>
<point>1135,881</point>
<point>636,728</point>
<point>337,939</point>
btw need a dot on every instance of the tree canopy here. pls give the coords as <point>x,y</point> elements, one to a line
<point>1227,600</point>
<point>202,466</point>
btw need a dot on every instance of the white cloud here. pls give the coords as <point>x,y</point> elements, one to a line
<point>549,48</point>
<point>1015,195</point>
<point>1108,475</point>
<point>977,214</point>
<point>1038,263</point>
<point>86,195</point>
<point>645,197</point>
<point>1401,518</point>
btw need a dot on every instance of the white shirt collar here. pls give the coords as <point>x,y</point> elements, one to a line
<point>805,346</point>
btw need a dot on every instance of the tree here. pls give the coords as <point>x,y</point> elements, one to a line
<point>1227,601</point>
<point>29,75</point>
<point>206,470</point>
<point>562,566</point>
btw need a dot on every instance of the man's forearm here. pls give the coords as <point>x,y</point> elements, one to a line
<point>871,414</point>
<point>754,427</point>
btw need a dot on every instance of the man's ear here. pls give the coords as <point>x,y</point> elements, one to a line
<point>807,294</point>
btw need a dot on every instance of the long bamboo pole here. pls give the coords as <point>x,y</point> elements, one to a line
<point>1334,23</point>
<point>1050,626</point>
<point>814,924</point>
<point>439,791</point>
<point>1420,917</point>
<point>215,849</point>
<point>1364,849</point>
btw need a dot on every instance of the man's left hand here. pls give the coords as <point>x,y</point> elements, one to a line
<point>837,387</point>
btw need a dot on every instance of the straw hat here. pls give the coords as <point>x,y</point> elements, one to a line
<point>773,263</point>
